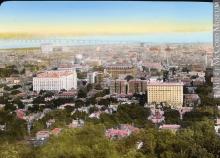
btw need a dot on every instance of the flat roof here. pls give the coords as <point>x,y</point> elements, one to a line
<point>53,74</point>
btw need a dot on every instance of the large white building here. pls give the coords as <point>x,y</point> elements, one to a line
<point>55,80</point>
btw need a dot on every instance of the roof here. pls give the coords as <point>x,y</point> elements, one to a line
<point>153,65</point>
<point>43,132</point>
<point>217,122</point>
<point>56,131</point>
<point>165,83</point>
<point>53,74</point>
<point>170,126</point>
<point>119,66</point>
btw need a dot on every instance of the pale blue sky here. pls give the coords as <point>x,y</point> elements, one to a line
<point>104,18</point>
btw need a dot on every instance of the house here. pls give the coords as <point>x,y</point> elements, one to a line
<point>66,95</point>
<point>2,127</point>
<point>172,127</point>
<point>217,126</point>
<point>2,106</point>
<point>62,107</point>
<point>50,122</point>
<point>20,114</point>
<point>191,99</point>
<point>41,135</point>
<point>156,116</point>
<point>95,115</point>
<point>116,133</point>
<point>123,130</point>
<point>56,131</point>
<point>76,124</point>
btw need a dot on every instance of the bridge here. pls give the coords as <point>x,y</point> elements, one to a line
<point>58,42</point>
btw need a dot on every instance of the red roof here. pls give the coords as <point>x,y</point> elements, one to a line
<point>54,74</point>
<point>56,131</point>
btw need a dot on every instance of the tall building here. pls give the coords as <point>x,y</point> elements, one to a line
<point>172,93</point>
<point>99,77</point>
<point>78,59</point>
<point>117,70</point>
<point>118,87</point>
<point>137,86</point>
<point>55,80</point>
<point>91,77</point>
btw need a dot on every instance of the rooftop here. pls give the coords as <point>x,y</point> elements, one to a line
<point>119,66</point>
<point>165,83</point>
<point>169,126</point>
<point>53,74</point>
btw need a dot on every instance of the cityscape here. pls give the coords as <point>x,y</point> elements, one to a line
<point>107,80</point>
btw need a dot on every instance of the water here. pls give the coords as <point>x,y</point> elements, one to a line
<point>93,40</point>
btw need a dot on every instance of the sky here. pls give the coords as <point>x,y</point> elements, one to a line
<point>108,18</point>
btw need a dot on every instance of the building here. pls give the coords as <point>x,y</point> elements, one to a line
<point>157,116</point>
<point>118,87</point>
<point>197,67</point>
<point>91,77</point>
<point>171,127</point>
<point>153,65</point>
<point>171,93</point>
<point>56,131</point>
<point>195,73</point>
<point>76,124</point>
<point>41,135</point>
<point>123,130</point>
<point>93,62</point>
<point>137,86</point>
<point>117,70</point>
<point>95,77</point>
<point>66,95</point>
<point>217,126</point>
<point>99,77</point>
<point>55,81</point>
<point>78,59</point>
<point>46,48</point>
<point>191,99</point>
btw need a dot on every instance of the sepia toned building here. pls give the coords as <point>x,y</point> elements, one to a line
<point>171,93</point>
<point>137,86</point>
<point>117,70</point>
<point>118,87</point>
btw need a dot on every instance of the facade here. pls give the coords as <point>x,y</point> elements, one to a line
<point>157,92</point>
<point>191,99</point>
<point>41,135</point>
<point>95,77</point>
<point>118,87</point>
<point>55,81</point>
<point>197,67</point>
<point>171,93</point>
<point>171,127</point>
<point>137,86</point>
<point>91,77</point>
<point>123,130</point>
<point>117,70</point>
<point>78,59</point>
<point>99,77</point>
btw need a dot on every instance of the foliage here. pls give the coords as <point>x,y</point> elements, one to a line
<point>8,71</point>
<point>79,143</point>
